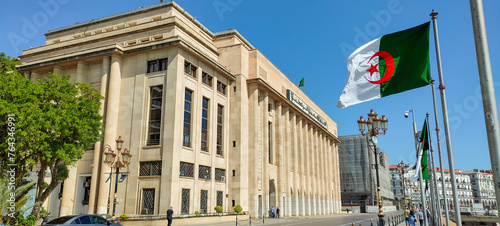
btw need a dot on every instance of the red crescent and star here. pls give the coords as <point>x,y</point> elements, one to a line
<point>390,67</point>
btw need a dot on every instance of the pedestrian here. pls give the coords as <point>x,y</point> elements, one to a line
<point>170,212</point>
<point>420,215</point>
<point>278,212</point>
<point>407,215</point>
<point>411,218</point>
<point>272,212</point>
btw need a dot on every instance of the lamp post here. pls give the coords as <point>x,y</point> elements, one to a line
<point>112,159</point>
<point>401,169</point>
<point>375,126</point>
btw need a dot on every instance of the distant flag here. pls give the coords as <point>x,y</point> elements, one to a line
<point>301,83</point>
<point>422,157</point>
<point>388,65</point>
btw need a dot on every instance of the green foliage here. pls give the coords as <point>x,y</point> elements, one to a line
<point>238,209</point>
<point>55,122</point>
<point>196,212</point>
<point>11,214</point>
<point>123,217</point>
<point>218,209</point>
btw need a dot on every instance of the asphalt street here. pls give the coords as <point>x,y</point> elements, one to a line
<point>321,220</point>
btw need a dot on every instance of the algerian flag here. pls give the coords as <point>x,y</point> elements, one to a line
<point>424,140</point>
<point>391,64</point>
<point>301,83</point>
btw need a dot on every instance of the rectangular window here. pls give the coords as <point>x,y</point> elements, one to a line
<point>157,65</point>
<point>270,125</point>
<point>148,201</point>
<point>204,172</point>
<point>186,169</point>
<point>150,168</point>
<point>156,94</point>
<point>185,201</point>
<point>186,138</point>
<point>233,202</point>
<point>203,201</point>
<point>221,87</point>
<point>220,198</point>
<point>206,78</point>
<point>220,174</point>
<point>204,124</point>
<point>190,69</point>
<point>220,115</point>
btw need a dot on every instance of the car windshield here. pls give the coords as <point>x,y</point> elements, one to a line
<point>60,220</point>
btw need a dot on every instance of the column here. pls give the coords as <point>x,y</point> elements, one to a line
<point>69,191</point>
<point>59,70</point>
<point>35,75</point>
<point>281,177</point>
<point>295,164</point>
<point>300,172</point>
<point>255,175</point>
<point>307,164</point>
<point>81,71</point>
<point>97,149</point>
<point>314,166</point>
<point>288,162</point>
<point>110,129</point>
<point>265,151</point>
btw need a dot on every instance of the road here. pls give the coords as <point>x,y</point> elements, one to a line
<point>321,220</point>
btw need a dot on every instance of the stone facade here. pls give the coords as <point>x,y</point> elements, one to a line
<point>208,119</point>
<point>358,174</point>
<point>483,190</point>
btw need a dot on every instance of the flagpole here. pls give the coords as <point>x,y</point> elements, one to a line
<point>458,219</point>
<point>436,205</point>
<point>487,90</point>
<point>445,200</point>
<point>419,163</point>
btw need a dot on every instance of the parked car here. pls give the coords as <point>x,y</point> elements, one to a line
<point>84,219</point>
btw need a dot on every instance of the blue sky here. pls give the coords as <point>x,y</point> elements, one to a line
<point>312,40</point>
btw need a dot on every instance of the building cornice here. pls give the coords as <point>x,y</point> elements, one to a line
<point>121,51</point>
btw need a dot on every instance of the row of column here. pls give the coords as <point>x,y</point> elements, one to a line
<point>307,180</point>
<point>111,94</point>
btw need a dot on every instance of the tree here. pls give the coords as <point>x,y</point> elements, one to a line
<point>55,122</point>
<point>238,209</point>
<point>218,209</point>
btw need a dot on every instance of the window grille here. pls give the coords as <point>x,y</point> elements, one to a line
<point>220,197</point>
<point>157,65</point>
<point>150,168</point>
<point>156,94</point>
<point>220,174</point>
<point>148,201</point>
<point>203,201</point>
<point>204,172</point>
<point>186,169</point>
<point>206,78</point>
<point>186,141</point>
<point>220,110</point>
<point>204,124</point>
<point>185,201</point>
<point>190,69</point>
<point>221,87</point>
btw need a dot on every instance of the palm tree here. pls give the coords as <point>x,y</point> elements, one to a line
<point>12,200</point>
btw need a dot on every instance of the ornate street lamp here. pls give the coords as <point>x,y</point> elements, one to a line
<point>112,159</point>
<point>401,169</point>
<point>375,126</point>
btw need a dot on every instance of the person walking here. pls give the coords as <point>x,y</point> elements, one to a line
<point>170,212</point>
<point>411,218</point>
<point>407,215</point>
<point>278,212</point>
<point>420,215</point>
<point>272,212</point>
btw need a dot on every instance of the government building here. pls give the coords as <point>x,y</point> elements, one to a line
<point>208,119</point>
